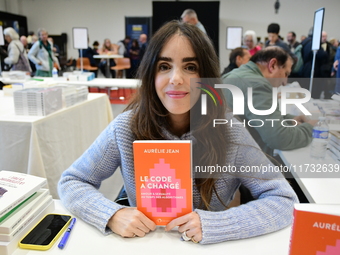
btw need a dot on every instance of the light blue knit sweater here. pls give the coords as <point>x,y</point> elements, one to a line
<point>271,211</point>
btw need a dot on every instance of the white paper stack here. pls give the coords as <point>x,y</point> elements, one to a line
<point>80,76</point>
<point>37,101</point>
<point>15,75</point>
<point>82,93</point>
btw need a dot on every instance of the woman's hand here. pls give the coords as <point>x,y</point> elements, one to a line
<point>336,64</point>
<point>129,222</point>
<point>189,223</point>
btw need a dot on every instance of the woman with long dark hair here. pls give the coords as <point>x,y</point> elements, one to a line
<point>179,60</point>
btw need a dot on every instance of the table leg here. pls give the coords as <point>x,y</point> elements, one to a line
<point>108,68</point>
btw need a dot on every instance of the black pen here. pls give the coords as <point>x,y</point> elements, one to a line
<point>67,234</point>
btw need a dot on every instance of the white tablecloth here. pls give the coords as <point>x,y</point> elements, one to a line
<point>87,240</point>
<point>46,146</point>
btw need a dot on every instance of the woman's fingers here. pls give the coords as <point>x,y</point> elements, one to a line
<point>190,224</point>
<point>129,222</point>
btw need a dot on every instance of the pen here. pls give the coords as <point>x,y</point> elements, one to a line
<point>67,234</point>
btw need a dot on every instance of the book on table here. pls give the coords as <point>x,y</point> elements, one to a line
<point>4,237</point>
<point>15,189</point>
<point>22,213</point>
<point>315,230</point>
<point>8,247</point>
<point>163,179</point>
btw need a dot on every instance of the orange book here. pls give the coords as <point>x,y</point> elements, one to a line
<point>163,179</point>
<point>315,230</point>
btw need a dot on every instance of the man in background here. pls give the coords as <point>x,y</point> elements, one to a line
<point>327,66</point>
<point>190,16</point>
<point>143,43</point>
<point>124,46</point>
<point>292,43</point>
<point>266,69</point>
<point>273,36</point>
<point>23,40</point>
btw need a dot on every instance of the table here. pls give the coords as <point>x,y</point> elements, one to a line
<point>87,240</point>
<point>317,190</point>
<point>46,145</point>
<point>108,56</point>
<point>103,82</point>
<point>99,82</point>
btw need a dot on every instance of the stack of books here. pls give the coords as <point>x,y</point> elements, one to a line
<point>23,202</point>
<point>72,95</point>
<point>334,145</point>
<point>37,101</point>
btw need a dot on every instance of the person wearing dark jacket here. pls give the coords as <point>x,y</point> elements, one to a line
<point>273,31</point>
<point>237,57</point>
<point>320,59</point>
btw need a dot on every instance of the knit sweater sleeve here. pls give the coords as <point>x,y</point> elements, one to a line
<point>79,184</point>
<point>271,210</point>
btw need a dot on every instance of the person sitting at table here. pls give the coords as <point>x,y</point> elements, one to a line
<point>108,48</point>
<point>176,53</point>
<point>89,53</point>
<point>135,58</point>
<point>237,57</point>
<point>266,69</point>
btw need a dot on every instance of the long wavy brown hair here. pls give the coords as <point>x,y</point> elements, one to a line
<point>150,116</point>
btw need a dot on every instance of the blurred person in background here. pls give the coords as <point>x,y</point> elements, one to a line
<point>190,16</point>
<point>292,43</point>
<point>336,69</point>
<point>237,57</point>
<point>17,56</point>
<point>124,46</point>
<point>24,41</point>
<point>108,48</point>
<point>41,54</point>
<point>135,58</point>
<point>274,39</point>
<point>250,40</point>
<point>334,42</point>
<point>143,43</point>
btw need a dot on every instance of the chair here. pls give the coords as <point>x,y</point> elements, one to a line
<point>121,64</point>
<point>70,64</point>
<point>86,65</point>
<point>121,95</point>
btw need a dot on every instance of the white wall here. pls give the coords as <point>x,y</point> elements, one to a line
<point>105,18</point>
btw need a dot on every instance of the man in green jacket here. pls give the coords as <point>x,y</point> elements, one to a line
<point>266,69</point>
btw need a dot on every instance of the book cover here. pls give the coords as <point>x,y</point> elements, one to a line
<point>15,188</point>
<point>7,248</point>
<point>19,227</point>
<point>163,179</point>
<point>8,225</point>
<point>315,230</point>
